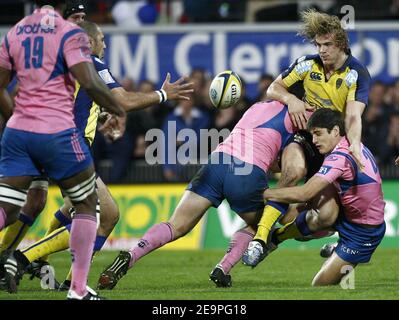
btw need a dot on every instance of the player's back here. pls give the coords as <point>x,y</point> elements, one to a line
<point>360,190</point>
<point>41,48</point>
<point>262,131</point>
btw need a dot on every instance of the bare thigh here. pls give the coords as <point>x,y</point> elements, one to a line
<point>188,213</point>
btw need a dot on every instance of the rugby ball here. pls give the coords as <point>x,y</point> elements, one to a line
<point>225,89</point>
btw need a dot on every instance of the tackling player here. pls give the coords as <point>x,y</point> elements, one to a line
<point>334,79</point>
<point>360,223</point>
<point>47,53</point>
<point>236,171</point>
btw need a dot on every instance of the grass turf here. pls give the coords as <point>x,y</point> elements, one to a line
<point>183,275</point>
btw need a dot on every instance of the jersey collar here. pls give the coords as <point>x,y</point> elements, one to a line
<point>342,68</point>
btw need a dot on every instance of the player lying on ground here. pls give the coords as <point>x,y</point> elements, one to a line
<point>333,78</point>
<point>360,223</point>
<point>86,114</point>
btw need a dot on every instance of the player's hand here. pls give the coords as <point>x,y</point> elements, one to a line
<point>113,127</point>
<point>297,111</point>
<point>178,90</point>
<point>354,149</point>
<point>397,161</point>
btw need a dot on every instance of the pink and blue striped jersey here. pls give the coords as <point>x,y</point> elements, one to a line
<point>360,192</point>
<point>41,55</point>
<point>262,132</point>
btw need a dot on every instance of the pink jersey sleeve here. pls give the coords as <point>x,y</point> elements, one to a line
<point>335,166</point>
<point>5,60</point>
<point>77,49</point>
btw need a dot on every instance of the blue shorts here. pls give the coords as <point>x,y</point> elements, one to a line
<point>357,243</point>
<point>219,180</point>
<point>59,156</point>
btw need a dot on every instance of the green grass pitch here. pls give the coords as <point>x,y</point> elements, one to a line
<point>183,275</point>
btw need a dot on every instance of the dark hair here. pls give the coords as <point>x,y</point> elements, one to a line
<point>327,118</point>
<point>74,6</point>
<point>53,3</point>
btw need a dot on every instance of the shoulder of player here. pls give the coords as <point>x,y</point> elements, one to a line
<point>310,58</point>
<point>68,29</point>
<point>98,63</point>
<point>355,66</point>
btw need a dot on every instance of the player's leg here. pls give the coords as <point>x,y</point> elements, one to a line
<point>81,191</point>
<point>109,217</point>
<point>244,194</point>
<point>188,212</point>
<point>34,205</point>
<point>13,193</point>
<point>308,222</point>
<point>204,190</point>
<point>239,242</point>
<point>293,169</point>
<point>332,271</point>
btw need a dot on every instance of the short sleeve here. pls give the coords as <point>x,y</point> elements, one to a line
<point>297,71</point>
<point>333,167</point>
<point>358,82</point>
<point>5,59</point>
<point>105,74</point>
<point>76,47</point>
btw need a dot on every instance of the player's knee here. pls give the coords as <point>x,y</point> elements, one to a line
<point>109,219</point>
<point>35,203</point>
<point>326,219</point>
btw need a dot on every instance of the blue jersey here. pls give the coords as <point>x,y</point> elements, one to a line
<point>86,111</point>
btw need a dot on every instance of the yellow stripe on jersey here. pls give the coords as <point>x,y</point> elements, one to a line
<point>91,126</point>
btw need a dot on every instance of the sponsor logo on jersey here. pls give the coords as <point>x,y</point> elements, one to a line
<point>316,76</point>
<point>303,67</point>
<point>324,169</point>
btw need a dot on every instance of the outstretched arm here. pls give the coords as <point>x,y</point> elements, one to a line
<point>178,90</point>
<point>297,194</point>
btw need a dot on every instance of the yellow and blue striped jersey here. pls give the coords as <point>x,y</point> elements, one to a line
<point>86,111</point>
<point>351,82</point>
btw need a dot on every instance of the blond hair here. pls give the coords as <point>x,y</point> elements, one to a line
<point>319,24</point>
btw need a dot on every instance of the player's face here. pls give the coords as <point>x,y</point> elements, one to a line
<point>327,49</point>
<point>99,45</point>
<point>324,141</point>
<point>77,17</point>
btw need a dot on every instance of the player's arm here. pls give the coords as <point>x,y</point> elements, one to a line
<point>397,161</point>
<point>297,194</point>
<point>353,125</point>
<point>356,101</point>
<point>278,90</point>
<point>89,80</point>
<point>6,104</point>
<point>138,100</point>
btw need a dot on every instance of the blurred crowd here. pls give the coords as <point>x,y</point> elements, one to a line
<point>133,13</point>
<point>380,124</point>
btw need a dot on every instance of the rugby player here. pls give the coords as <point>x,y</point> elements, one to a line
<point>360,223</point>
<point>41,134</point>
<point>236,171</point>
<point>86,114</point>
<point>333,79</point>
